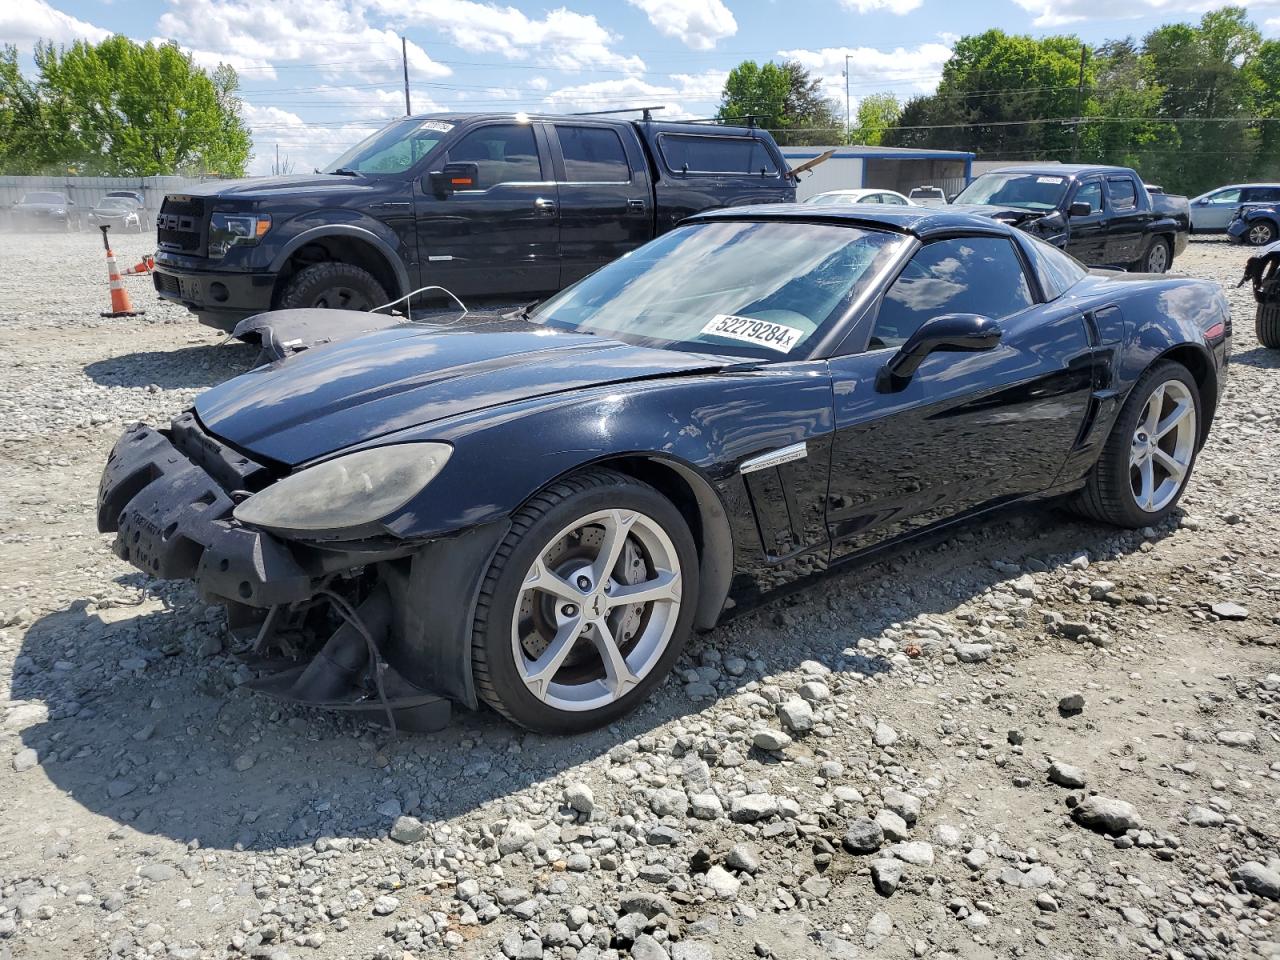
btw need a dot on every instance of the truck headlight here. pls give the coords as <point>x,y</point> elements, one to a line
<point>227,230</point>
<point>347,491</point>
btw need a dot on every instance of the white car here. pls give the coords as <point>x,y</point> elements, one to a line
<point>867,195</point>
<point>928,197</point>
<point>1212,212</point>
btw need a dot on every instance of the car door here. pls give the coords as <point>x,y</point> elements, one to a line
<point>1215,211</point>
<point>501,235</point>
<point>969,429</point>
<point>1127,225</point>
<point>1087,239</point>
<point>606,206</point>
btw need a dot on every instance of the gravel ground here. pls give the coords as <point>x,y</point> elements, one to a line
<point>1039,738</point>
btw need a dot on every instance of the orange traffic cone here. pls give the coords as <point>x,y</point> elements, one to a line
<point>121,305</point>
<point>145,265</point>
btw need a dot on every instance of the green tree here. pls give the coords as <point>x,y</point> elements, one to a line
<point>119,108</point>
<point>784,99</point>
<point>876,113</point>
<point>21,117</point>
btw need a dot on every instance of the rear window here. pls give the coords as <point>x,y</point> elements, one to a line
<point>690,153</point>
<point>1124,196</point>
<point>593,155</point>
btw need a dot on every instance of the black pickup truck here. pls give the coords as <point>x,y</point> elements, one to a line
<point>1103,216</point>
<point>481,205</point>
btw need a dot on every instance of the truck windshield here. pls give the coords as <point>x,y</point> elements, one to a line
<point>393,149</point>
<point>762,289</point>
<point>1030,191</point>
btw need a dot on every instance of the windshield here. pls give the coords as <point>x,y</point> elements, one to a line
<point>764,289</point>
<point>119,203</point>
<point>1028,191</point>
<point>43,198</point>
<point>836,196</point>
<point>393,149</point>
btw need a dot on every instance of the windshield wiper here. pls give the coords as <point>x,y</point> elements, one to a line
<point>345,172</point>
<point>523,312</point>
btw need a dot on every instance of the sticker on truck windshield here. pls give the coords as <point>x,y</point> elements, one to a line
<point>761,333</point>
<point>438,125</point>
<point>1054,180</point>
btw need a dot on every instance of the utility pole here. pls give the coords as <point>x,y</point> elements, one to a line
<point>404,58</point>
<point>276,171</point>
<point>848,128</point>
<point>1075,137</point>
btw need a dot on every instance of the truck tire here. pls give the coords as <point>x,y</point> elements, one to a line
<point>1268,326</point>
<point>1260,233</point>
<point>337,286</point>
<point>1158,257</point>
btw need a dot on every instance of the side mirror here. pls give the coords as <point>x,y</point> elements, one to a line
<point>454,176</point>
<point>1202,202</point>
<point>1080,208</point>
<point>958,332</point>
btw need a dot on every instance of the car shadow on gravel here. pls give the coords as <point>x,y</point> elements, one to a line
<point>184,368</point>
<point>143,730</point>
<point>1264,358</point>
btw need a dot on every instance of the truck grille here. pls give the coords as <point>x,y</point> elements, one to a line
<point>180,225</point>
<point>166,284</point>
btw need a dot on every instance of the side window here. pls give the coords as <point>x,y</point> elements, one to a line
<point>1226,196</point>
<point>894,198</point>
<point>502,154</point>
<point>964,275</point>
<point>1123,193</point>
<point>710,154</point>
<point>1262,194</point>
<point>1090,192</point>
<point>1058,271</point>
<point>593,155</point>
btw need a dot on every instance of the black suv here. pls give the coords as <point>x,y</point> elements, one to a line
<point>481,205</point>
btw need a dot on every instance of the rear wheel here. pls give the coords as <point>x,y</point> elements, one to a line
<point>1157,258</point>
<point>1261,233</point>
<point>336,286</point>
<point>587,604</point>
<point>1147,460</point>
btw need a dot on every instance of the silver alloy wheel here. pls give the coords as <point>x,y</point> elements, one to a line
<point>1259,234</point>
<point>1158,258</point>
<point>1163,445</point>
<point>597,610</point>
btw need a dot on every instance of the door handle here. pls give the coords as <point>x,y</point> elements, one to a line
<point>544,207</point>
<point>635,206</point>
<point>391,205</point>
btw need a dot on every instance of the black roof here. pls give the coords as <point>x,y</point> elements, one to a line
<point>918,221</point>
<point>656,123</point>
<point>1071,170</point>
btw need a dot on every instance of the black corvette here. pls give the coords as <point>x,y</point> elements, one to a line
<point>534,513</point>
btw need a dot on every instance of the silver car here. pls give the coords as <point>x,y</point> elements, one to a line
<point>1212,211</point>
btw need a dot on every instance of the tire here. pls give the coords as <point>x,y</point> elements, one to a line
<point>1260,233</point>
<point>1267,326</point>
<point>1109,494</point>
<point>576,692</point>
<point>1158,258</point>
<point>340,286</point>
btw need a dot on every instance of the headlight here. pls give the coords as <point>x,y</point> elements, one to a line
<point>227,230</point>
<point>347,491</point>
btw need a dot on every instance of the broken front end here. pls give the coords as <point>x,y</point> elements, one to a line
<point>371,624</point>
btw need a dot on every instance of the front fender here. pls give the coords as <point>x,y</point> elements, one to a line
<point>349,225</point>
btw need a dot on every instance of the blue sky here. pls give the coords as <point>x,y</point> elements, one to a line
<point>317,75</point>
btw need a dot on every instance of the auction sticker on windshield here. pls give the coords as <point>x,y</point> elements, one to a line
<point>761,333</point>
<point>441,126</point>
<point>1054,180</point>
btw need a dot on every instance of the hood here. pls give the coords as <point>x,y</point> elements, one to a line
<point>320,401</point>
<point>1014,215</point>
<point>41,206</point>
<point>261,188</point>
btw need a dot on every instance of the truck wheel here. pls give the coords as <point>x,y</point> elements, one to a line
<point>1268,327</point>
<point>1147,460</point>
<point>1157,258</point>
<point>336,286</point>
<point>1261,233</point>
<point>586,605</point>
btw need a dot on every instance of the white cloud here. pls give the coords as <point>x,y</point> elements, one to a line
<point>23,22</point>
<point>306,146</point>
<point>892,6</point>
<point>697,23</point>
<point>686,95</point>
<point>1053,13</point>
<point>561,39</point>
<point>901,70</point>
<point>333,33</point>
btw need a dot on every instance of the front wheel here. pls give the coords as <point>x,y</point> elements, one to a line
<point>1147,460</point>
<point>586,605</point>
<point>336,286</point>
<point>1261,233</point>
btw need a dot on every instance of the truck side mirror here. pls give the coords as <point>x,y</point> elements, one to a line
<point>1080,208</point>
<point>454,176</point>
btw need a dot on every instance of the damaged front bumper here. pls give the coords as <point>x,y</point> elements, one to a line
<point>340,626</point>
